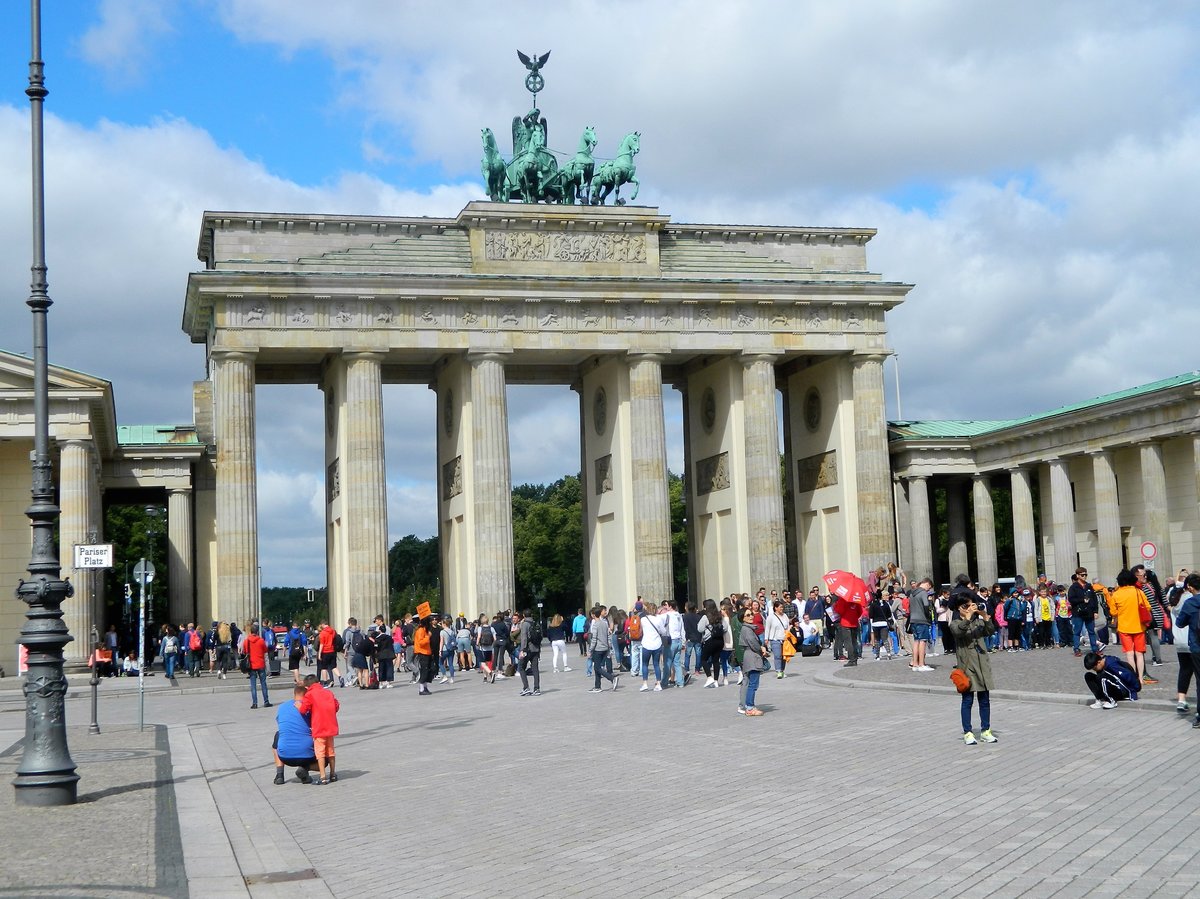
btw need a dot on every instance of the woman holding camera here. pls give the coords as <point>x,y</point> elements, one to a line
<point>970,627</point>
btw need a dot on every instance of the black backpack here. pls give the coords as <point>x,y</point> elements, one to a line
<point>363,644</point>
<point>535,637</point>
<point>486,636</point>
<point>338,643</point>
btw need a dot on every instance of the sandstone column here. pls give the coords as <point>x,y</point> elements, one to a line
<point>1062,507</point>
<point>364,480</point>
<point>922,530</point>
<point>182,606</point>
<point>1154,490</point>
<point>689,500</point>
<point>494,579</point>
<point>237,488</point>
<point>648,455</point>
<point>75,464</point>
<point>876,525</point>
<point>1109,557</point>
<point>985,531</point>
<point>764,492</point>
<point>904,538</point>
<point>1024,535</point>
<point>789,495</point>
<point>956,528</point>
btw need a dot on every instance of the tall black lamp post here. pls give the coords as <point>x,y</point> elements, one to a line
<point>46,775</point>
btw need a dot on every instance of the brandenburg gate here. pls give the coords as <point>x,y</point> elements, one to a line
<point>614,302</point>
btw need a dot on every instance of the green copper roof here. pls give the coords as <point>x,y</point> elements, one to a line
<point>925,430</point>
<point>151,435</point>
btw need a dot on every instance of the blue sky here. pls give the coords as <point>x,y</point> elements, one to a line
<point>1033,168</point>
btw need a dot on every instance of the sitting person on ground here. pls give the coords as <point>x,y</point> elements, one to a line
<point>102,660</point>
<point>293,744</point>
<point>1110,680</point>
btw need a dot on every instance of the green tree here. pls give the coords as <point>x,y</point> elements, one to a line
<point>679,542</point>
<point>548,544</point>
<point>136,534</point>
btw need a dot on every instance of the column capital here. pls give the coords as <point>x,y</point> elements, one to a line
<point>177,491</point>
<point>859,358</point>
<point>367,355</point>
<point>750,357</point>
<point>978,476</point>
<point>232,354</point>
<point>84,442</point>
<point>489,355</point>
<point>915,478</point>
<point>1102,453</point>
<point>646,356</point>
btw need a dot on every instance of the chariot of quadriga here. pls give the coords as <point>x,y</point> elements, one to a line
<point>534,174</point>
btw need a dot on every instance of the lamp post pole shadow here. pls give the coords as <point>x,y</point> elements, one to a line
<point>46,775</point>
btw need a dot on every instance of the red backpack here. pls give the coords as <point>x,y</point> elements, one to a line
<point>194,642</point>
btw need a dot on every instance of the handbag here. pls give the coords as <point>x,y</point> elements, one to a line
<point>1144,614</point>
<point>244,663</point>
<point>959,678</point>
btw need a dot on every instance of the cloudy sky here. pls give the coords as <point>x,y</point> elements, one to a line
<point>1033,168</point>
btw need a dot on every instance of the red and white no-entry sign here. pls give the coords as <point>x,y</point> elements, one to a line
<point>1149,550</point>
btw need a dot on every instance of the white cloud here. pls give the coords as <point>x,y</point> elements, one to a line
<point>122,42</point>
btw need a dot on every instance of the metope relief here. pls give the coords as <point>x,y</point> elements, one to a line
<point>712,474</point>
<point>604,481</point>
<point>452,479</point>
<point>815,472</point>
<point>537,246</point>
<point>333,482</point>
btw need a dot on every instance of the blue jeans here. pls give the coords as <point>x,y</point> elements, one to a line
<point>749,688</point>
<point>446,663</point>
<point>1027,635</point>
<point>814,640</point>
<point>985,710</point>
<point>635,656</point>
<point>727,654</point>
<point>169,663</point>
<point>648,656</point>
<point>258,675</point>
<point>691,656</point>
<point>777,654</point>
<point>673,658</point>
<point>1077,627</point>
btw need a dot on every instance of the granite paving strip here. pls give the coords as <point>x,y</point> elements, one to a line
<point>121,839</point>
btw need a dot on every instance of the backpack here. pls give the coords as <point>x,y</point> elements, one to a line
<point>633,624</point>
<point>338,643</point>
<point>535,637</point>
<point>363,644</point>
<point>487,637</point>
<point>194,641</point>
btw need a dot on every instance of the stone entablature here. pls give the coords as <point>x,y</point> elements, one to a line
<point>1149,417</point>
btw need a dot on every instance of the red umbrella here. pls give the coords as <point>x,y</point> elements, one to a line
<point>846,585</point>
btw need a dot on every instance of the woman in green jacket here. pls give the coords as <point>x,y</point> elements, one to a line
<point>970,627</point>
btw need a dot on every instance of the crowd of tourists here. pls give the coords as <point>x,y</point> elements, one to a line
<point>659,646</point>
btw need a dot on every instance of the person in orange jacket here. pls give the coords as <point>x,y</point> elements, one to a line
<point>424,640</point>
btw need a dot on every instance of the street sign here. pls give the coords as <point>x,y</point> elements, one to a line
<point>1149,551</point>
<point>146,568</point>
<point>93,555</point>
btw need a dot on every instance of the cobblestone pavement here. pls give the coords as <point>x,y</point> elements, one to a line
<point>833,792</point>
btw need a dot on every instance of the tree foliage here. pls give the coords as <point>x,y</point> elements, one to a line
<point>548,544</point>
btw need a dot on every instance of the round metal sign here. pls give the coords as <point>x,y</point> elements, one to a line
<point>1149,550</point>
<point>143,568</point>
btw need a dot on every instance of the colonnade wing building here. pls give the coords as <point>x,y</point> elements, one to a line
<point>611,302</point>
<point>1087,484</point>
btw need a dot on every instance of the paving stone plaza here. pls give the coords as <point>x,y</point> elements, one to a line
<point>476,791</point>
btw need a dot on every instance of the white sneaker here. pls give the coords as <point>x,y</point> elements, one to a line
<point>969,739</point>
<point>739,680</point>
<point>644,687</point>
<point>724,682</point>
<point>1109,704</point>
<point>712,683</point>
<point>657,688</point>
<point>566,669</point>
<point>923,668</point>
<point>1096,705</point>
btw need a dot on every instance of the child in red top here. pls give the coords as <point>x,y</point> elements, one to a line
<point>320,706</point>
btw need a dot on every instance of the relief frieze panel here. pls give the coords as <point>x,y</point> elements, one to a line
<point>712,474</point>
<point>815,472</point>
<point>452,478</point>
<point>540,246</point>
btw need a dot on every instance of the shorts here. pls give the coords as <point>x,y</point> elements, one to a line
<point>294,662</point>
<point>323,747</point>
<point>327,660</point>
<point>920,632</point>
<point>1014,630</point>
<point>358,662</point>
<point>1133,642</point>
